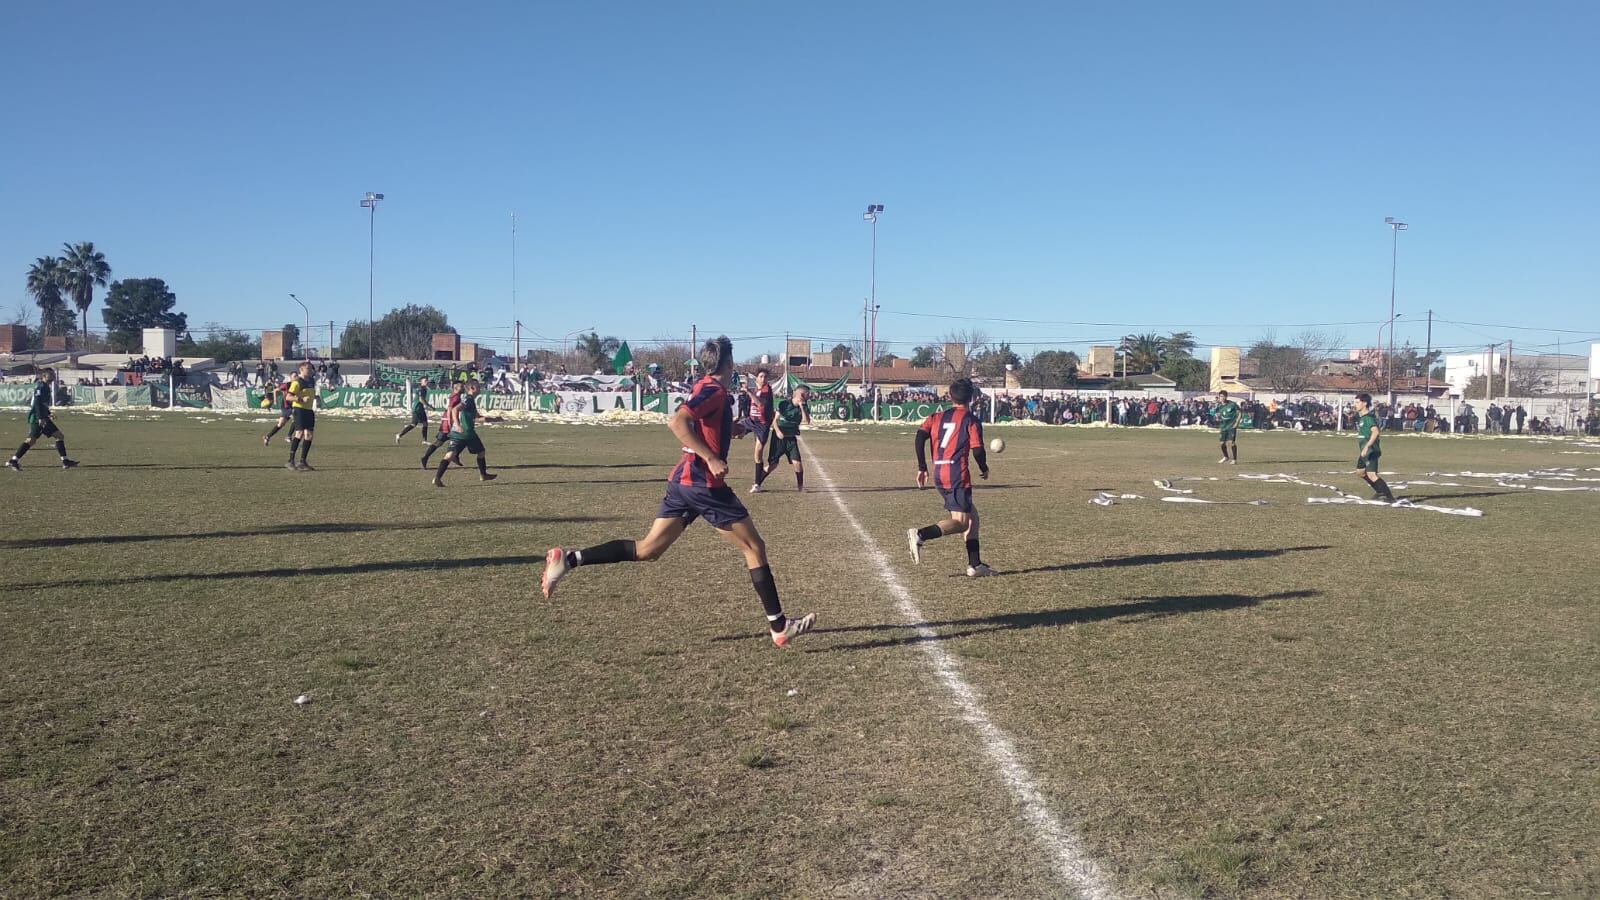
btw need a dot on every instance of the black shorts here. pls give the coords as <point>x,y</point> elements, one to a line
<point>720,505</point>
<point>472,444</point>
<point>419,415</point>
<point>1228,434</point>
<point>779,447</point>
<point>957,499</point>
<point>1368,462</point>
<point>305,419</point>
<point>47,428</point>
<point>287,412</point>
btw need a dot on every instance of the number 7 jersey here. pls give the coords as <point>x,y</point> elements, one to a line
<point>954,433</point>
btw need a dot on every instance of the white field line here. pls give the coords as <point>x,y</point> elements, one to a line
<point>1080,873</point>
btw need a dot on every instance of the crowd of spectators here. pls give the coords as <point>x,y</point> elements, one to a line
<point>153,365</point>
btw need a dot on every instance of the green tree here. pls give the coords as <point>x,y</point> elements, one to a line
<point>597,350</point>
<point>924,357</point>
<point>83,269</point>
<point>221,344</point>
<point>1190,374</point>
<point>1179,343</point>
<point>992,362</point>
<point>1050,369</point>
<point>1143,352</point>
<point>44,285</point>
<point>405,333</point>
<point>134,304</point>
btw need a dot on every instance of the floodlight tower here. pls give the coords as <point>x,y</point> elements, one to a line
<point>370,202</point>
<point>871,215</point>
<point>306,335</point>
<point>1396,227</point>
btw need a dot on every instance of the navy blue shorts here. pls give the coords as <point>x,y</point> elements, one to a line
<point>720,506</point>
<point>759,429</point>
<point>957,499</point>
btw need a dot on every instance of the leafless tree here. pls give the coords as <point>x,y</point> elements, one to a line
<point>1291,368</point>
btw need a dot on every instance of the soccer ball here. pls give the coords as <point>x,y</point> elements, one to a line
<point>997,445</point>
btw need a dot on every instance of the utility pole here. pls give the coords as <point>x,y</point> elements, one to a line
<point>1427,361</point>
<point>370,202</point>
<point>694,350</point>
<point>1508,368</point>
<point>1488,368</point>
<point>516,326</point>
<point>1396,227</point>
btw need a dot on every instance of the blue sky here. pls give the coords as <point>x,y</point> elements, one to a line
<point>1219,167</point>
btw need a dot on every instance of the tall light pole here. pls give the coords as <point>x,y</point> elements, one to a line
<point>370,202</point>
<point>516,324</point>
<point>306,335</point>
<point>1394,261</point>
<point>871,215</point>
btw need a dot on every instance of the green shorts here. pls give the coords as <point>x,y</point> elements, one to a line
<point>779,447</point>
<point>1229,435</point>
<point>1368,463</point>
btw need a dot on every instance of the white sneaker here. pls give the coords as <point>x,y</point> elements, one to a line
<point>755,488</point>
<point>914,543</point>
<point>981,570</point>
<point>793,629</point>
<point>1223,461</point>
<point>555,568</point>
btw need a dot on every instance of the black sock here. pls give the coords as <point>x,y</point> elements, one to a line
<point>405,431</point>
<point>444,463</point>
<point>603,554</point>
<point>483,463</point>
<point>972,552</point>
<point>799,480</point>
<point>1233,453</point>
<point>761,473</point>
<point>767,590</point>
<point>1224,451</point>
<point>61,448</point>
<point>21,451</point>
<point>305,450</point>
<point>294,447</point>
<point>275,430</point>
<point>424,430</point>
<point>1382,487</point>
<point>929,532</point>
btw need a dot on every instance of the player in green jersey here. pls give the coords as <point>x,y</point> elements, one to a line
<point>1227,413</point>
<point>464,436</point>
<point>785,439</point>
<point>1369,448</point>
<point>41,423</point>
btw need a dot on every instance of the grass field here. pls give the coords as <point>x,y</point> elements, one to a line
<point>1231,700</point>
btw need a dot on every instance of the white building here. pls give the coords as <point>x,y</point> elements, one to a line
<point>1461,368</point>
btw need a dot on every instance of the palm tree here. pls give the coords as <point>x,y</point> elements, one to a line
<point>83,269</point>
<point>44,284</point>
<point>598,349</point>
<point>1143,352</point>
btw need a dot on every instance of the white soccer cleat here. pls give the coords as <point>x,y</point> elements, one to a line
<point>555,569</point>
<point>981,570</point>
<point>914,543</point>
<point>1223,461</point>
<point>793,629</point>
<point>755,488</point>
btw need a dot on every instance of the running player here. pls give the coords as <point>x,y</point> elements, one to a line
<point>697,488</point>
<point>446,422</point>
<point>955,432</point>
<point>1227,413</point>
<point>285,412</point>
<point>41,423</point>
<point>1369,449</point>
<point>785,439</point>
<point>761,417</point>
<point>419,413</point>
<point>464,436</point>
<point>302,393</point>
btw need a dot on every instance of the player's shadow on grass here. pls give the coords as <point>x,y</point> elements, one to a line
<point>1140,608</point>
<point>404,565</point>
<point>281,530</point>
<point>173,468</point>
<point>632,465</point>
<point>887,489</point>
<point>1429,498</point>
<point>1151,559</point>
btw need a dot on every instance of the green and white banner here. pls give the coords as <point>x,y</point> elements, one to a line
<point>396,376</point>
<point>791,382</point>
<point>16,393</point>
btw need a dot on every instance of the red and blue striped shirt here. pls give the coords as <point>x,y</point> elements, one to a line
<point>711,407</point>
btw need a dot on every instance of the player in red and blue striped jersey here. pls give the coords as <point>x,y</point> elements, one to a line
<point>697,488</point>
<point>761,414</point>
<point>954,433</point>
